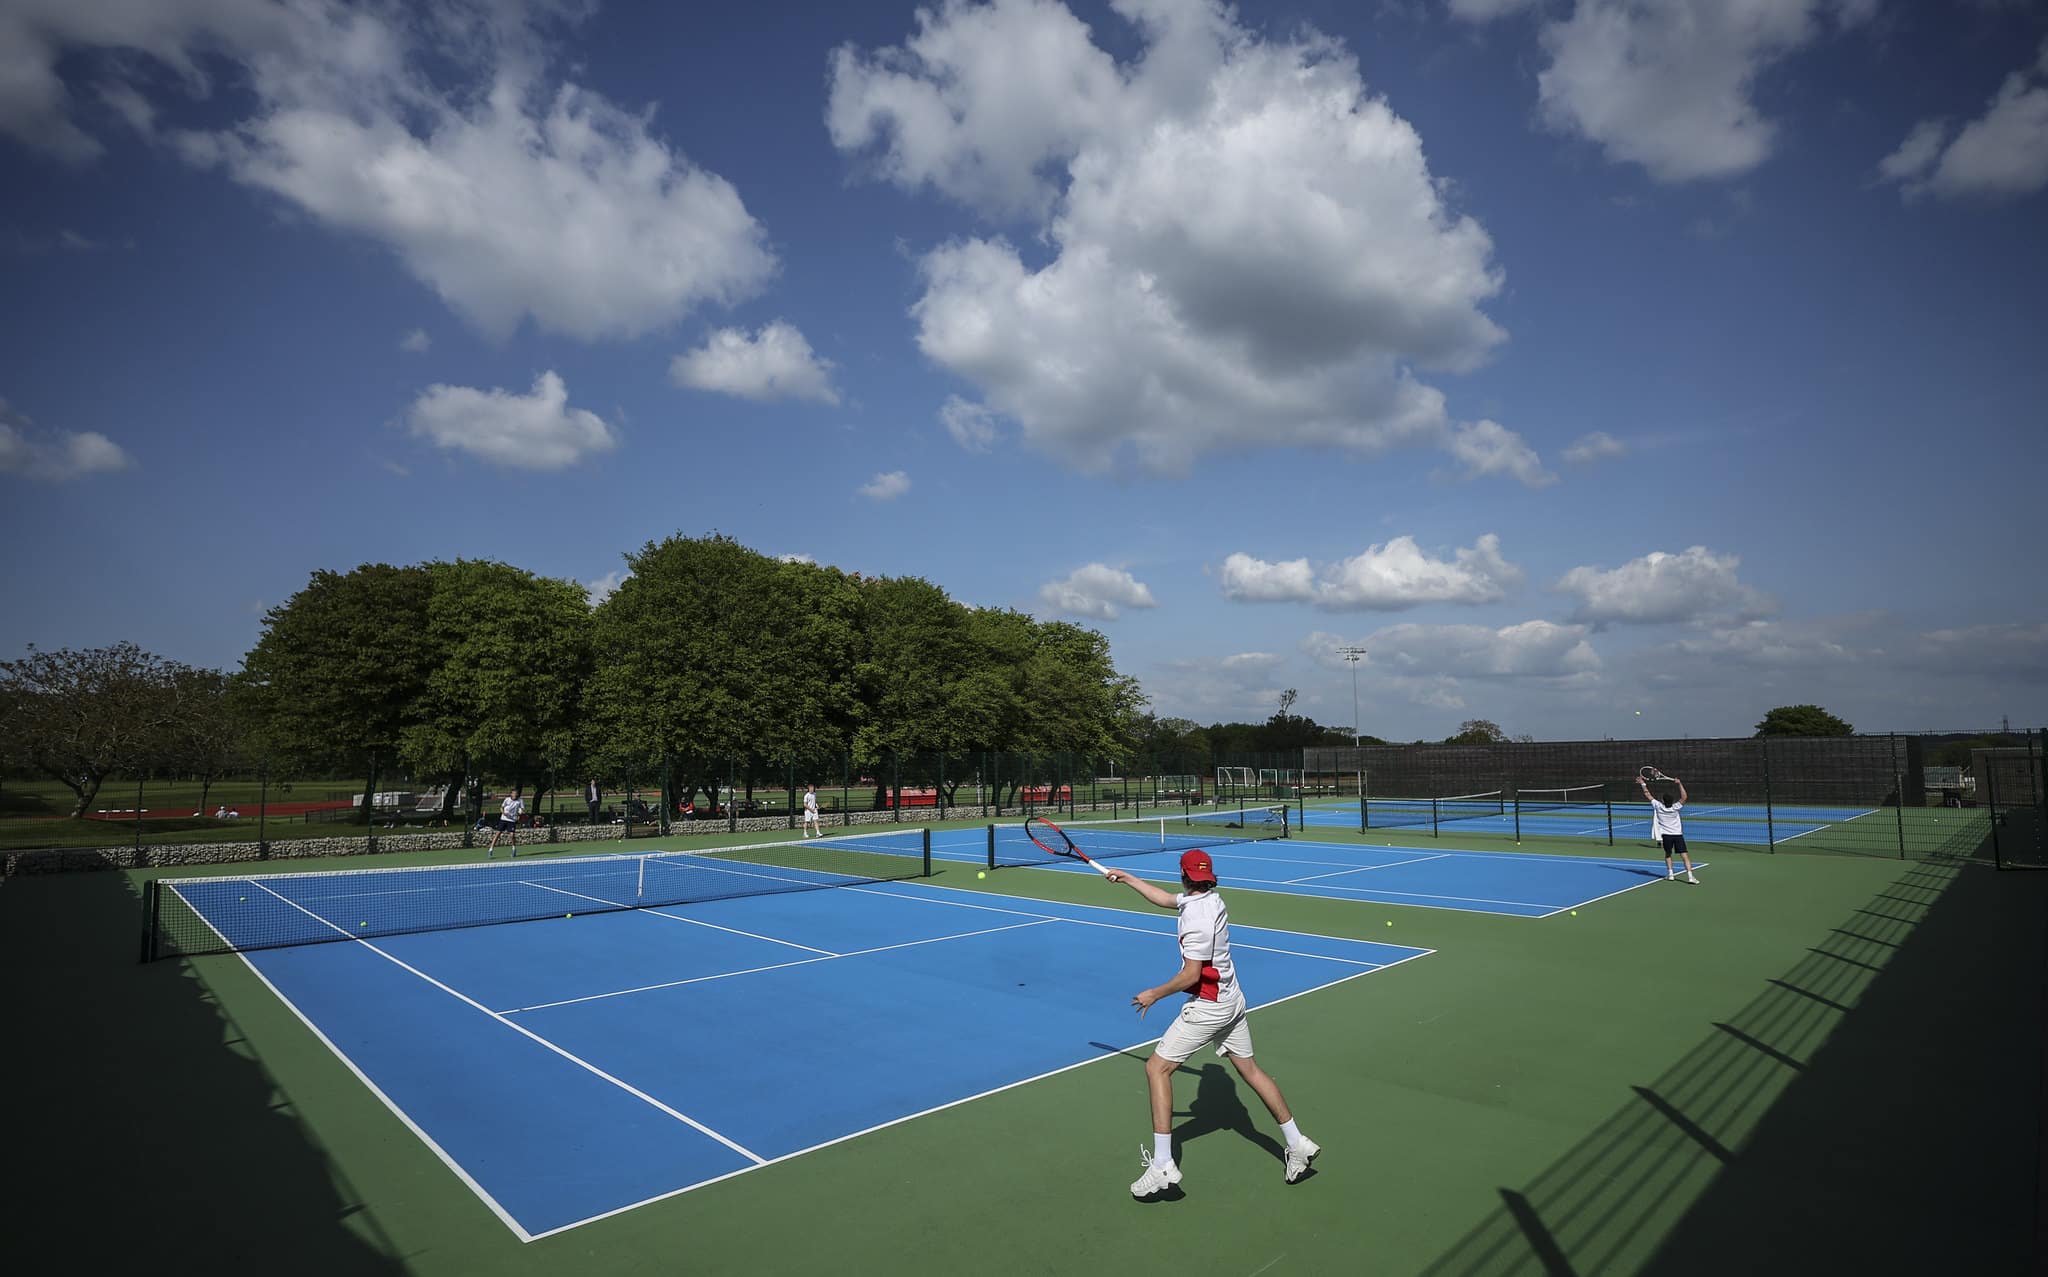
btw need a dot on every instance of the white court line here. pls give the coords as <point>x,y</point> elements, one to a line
<point>523,1031</point>
<point>940,1108</point>
<point>1359,869</point>
<point>778,966</point>
<point>677,917</point>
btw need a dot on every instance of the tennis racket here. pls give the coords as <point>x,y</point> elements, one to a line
<point>1053,840</point>
<point>1650,773</point>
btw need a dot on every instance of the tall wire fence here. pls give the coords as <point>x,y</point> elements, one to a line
<point>1891,794</point>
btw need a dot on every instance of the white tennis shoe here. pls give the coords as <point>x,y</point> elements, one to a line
<point>1158,1177</point>
<point>1298,1158</point>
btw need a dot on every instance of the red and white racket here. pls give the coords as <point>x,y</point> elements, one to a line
<point>1053,840</point>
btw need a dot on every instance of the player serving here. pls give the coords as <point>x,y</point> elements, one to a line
<point>1666,823</point>
<point>1213,1013</point>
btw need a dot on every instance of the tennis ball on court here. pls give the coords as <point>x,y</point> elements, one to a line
<point>982,874</point>
<point>1575,913</point>
<point>1390,922</point>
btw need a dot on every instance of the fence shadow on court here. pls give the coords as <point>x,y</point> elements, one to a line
<point>140,1127</point>
<point>1872,1110</point>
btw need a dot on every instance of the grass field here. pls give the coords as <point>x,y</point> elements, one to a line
<point>1806,1064</point>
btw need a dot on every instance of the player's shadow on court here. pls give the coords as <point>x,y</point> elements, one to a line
<point>1218,1106</point>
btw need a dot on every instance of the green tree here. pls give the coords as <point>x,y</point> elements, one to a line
<point>77,717</point>
<point>207,735</point>
<point>1477,731</point>
<point>710,653</point>
<point>1802,720</point>
<point>341,669</point>
<point>510,656</point>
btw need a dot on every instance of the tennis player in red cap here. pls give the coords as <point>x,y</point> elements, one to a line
<point>1214,1013</point>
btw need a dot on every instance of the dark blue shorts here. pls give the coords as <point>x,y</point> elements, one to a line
<point>505,826</point>
<point>1674,844</point>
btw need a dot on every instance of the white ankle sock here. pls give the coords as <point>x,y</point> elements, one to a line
<point>1162,1147</point>
<point>1291,1131</point>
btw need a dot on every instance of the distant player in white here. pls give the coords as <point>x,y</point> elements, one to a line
<point>1669,827</point>
<point>509,812</point>
<point>1213,1013</point>
<point>811,820</point>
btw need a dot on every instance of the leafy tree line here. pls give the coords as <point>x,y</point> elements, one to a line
<point>707,652</point>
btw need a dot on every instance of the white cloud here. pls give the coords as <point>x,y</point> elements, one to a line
<point>536,431</point>
<point>511,195</point>
<point>1489,448</point>
<point>1696,585</point>
<point>797,558</point>
<point>1248,250</point>
<point>416,342</point>
<point>774,363</point>
<point>2003,152</point>
<point>1669,84</point>
<point>886,487</point>
<point>1487,10</point>
<point>1530,649</point>
<point>1596,446</point>
<point>54,455</point>
<point>972,426</point>
<point>1096,590</point>
<point>599,590</point>
<point>1384,578</point>
<point>1762,643</point>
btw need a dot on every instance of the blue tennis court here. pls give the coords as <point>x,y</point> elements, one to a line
<point>571,1068</point>
<point>1434,877</point>
<point>1725,823</point>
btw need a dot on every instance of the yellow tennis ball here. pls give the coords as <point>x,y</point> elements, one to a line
<point>1575,913</point>
<point>1390,922</point>
<point>982,874</point>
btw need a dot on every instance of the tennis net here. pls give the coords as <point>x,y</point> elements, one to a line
<point>1139,835</point>
<point>1561,799</point>
<point>267,911</point>
<point>1396,813</point>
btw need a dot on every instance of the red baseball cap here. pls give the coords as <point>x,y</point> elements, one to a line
<point>1195,866</point>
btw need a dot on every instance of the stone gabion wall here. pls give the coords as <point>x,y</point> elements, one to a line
<point>165,856</point>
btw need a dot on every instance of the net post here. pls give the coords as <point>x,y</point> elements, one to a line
<point>148,919</point>
<point>1518,817</point>
<point>991,846</point>
<point>1435,818</point>
<point>927,852</point>
<point>1363,822</point>
<point>1988,782</point>
<point>1609,800</point>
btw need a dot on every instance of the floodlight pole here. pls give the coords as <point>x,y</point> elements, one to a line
<point>1351,655</point>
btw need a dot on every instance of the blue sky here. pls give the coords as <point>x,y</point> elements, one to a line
<point>1574,358</point>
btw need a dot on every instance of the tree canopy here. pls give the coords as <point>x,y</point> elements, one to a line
<point>1802,720</point>
<point>77,717</point>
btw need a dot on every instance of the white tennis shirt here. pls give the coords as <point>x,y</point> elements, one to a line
<point>1665,819</point>
<point>510,809</point>
<point>1205,937</point>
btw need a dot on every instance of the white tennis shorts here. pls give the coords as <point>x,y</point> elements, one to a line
<point>1201,1023</point>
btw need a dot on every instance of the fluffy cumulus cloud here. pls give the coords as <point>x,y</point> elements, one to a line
<point>511,195</point>
<point>1246,248</point>
<point>1399,574</point>
<point>886,487</point>
<point>54,455</point>
<point>1533,649</point>
<point>2003,152</point>
<point>1670,84</point>
<point>773,363</point>
<point>1696,585</point>
<point>1597,446</point>
<point>534,431</point>
<point>1096,590</point>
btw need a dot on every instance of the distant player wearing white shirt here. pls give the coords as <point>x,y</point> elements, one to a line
<point>1669,827</point>
<point>1213,1013</point>
<point>811,820</point>
<point>509,812</point>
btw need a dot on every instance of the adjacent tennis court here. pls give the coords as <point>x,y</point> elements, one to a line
<point>1744,824</point>
<point>570,1067</point>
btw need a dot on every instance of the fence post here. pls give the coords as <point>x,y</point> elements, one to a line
<point>1899,790</point>
<point>262,810</point>
<point>1989,784</point>
<point>1770,811</point>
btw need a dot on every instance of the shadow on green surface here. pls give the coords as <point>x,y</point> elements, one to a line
<point>139,1127</point>
<point>1873,1110</point>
